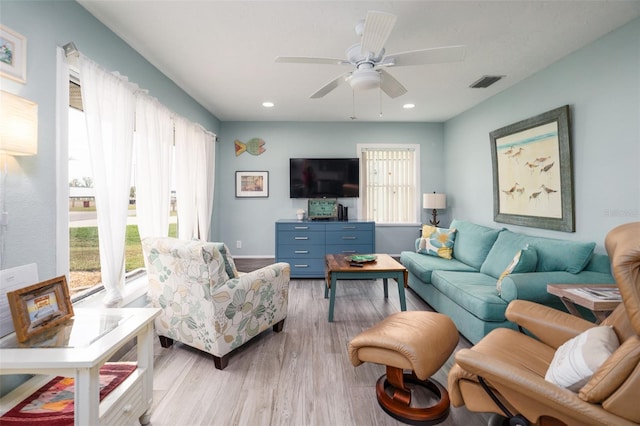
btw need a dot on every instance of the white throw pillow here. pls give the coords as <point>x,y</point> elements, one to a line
<point>577,359</point>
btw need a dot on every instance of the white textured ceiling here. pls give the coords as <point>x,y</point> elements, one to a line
<point>222,52</point>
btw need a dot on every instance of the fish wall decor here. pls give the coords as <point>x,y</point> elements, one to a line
<point>255,146</point>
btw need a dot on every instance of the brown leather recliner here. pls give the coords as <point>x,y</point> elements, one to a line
<point>507,368</point>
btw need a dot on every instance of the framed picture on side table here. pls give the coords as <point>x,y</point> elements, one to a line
<point>39,307</point>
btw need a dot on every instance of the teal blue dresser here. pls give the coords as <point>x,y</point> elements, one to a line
<point>303,244</point>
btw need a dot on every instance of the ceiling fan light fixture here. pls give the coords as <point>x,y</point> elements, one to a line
<point>364,79</point>
<point>408,106</point>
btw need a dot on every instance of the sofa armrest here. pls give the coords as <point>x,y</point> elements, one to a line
<point>550,326</point>
<point>532,286</point>
<point>277,273</point>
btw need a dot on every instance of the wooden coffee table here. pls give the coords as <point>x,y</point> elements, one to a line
<point>338,268</point>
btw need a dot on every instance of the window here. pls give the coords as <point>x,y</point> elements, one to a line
<point>84,253</point>
<point>389,183</point>
<point>112,106</point>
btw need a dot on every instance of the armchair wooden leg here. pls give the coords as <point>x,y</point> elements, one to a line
<point>221,362</point>
<point>165,342</point>
<point>277,327</point>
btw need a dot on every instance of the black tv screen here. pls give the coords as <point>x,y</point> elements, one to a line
<point>324,177</point>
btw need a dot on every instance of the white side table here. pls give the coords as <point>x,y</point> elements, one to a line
<point>78,349</point>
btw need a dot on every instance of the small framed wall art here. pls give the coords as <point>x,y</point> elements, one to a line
<point>252,184</point>
<point>13,55</point>
<point>40,307</point>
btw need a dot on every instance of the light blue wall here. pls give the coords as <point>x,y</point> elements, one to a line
<point>30,184</point>
<point>252,220</point>
<point>601,83</point>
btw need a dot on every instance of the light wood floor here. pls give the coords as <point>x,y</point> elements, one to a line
<point>301,376</point>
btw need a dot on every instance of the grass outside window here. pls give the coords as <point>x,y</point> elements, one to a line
<point>85,254</point>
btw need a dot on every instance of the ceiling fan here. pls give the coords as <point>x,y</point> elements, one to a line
<point>369,59</point>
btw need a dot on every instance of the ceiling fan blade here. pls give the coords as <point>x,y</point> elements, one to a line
<point>329,86</point>
<point>310,60</point>
<point>377,28</point>
<point>390,85</point>
<point>435,55</point>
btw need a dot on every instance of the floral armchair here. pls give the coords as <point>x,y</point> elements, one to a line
<point>205,302</point>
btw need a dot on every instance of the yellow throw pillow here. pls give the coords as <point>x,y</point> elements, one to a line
<point>436,241</point>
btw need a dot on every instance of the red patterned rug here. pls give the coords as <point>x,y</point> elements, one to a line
<point>52,404</point>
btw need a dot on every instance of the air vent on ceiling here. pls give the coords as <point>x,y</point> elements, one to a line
<point>486,81</point>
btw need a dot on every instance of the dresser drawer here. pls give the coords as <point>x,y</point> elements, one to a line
<point>300,226</point>
<point>306,267</point>
<point>349,237</point>
<point>350,226</point>
<point>349,249</point>
<point>300,237</point>
<point>300,251</point>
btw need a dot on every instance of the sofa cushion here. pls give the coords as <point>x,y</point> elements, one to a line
<point>473,291</point>
<point>436,241</point>
<point>502,253</point>
<point>524,261</point>
<point>473,242</point>
<point>561,255</point>
<point>421,266</point>
<point>553,254</point>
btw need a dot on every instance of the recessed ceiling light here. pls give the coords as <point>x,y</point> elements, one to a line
<point>268,104</point>
<point>408,106</point>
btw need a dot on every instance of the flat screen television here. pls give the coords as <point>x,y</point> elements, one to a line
<point>324,177</point>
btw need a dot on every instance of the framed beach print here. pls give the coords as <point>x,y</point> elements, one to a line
<point>252,184</point>
<point>39,307</point>
<point>13,55</point>
<point>532,173</point>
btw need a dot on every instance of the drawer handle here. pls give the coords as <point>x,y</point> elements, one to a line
<point>349,251</point>
<point>301,251</point>
<point>300,227</point>
<point>349,238</point>
<point>349,227</point>
<point>301,238</point>
<point>301,266</point>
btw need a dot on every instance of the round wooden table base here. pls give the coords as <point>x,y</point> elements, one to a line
<point>396,400</point>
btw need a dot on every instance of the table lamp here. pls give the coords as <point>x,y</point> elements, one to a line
<point>434,201</point>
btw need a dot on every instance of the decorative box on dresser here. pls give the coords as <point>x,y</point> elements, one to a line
<point>303,244</point>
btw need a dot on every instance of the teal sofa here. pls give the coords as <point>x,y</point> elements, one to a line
<point>465,287</point>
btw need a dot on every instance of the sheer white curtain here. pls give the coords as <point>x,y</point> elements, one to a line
<point>194,158</point>
<point>62,163</point>
<point>204,196</point>
<point>186,181</point>
<point>153,166</point>
<point>109,106</point>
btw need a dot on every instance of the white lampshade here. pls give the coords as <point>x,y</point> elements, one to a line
<point>18,125</point>
<point>434,201</point>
